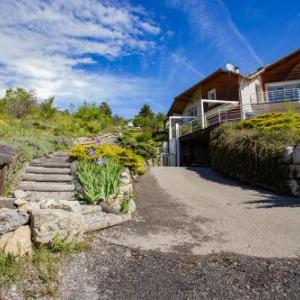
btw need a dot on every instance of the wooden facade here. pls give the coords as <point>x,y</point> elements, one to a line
<point>285,69</point>
<point>226,84</point>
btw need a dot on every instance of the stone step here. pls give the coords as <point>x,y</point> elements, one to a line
<point>50,160</point>
<point>51,164</point>
<point>51,195</point>
<point>47,177</point>
<point>99,221</point>
<point>43,170</point>
<point>46,186</point>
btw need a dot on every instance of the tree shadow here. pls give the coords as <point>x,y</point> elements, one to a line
<point>267,199</point>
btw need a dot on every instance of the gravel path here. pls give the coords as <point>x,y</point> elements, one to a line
<point>167,252</point>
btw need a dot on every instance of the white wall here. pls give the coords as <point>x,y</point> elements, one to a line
<point>248,91</point>
<point>195,102</point>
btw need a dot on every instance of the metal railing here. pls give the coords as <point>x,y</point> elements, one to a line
<point>292,94</point>
<point>217,115</point>
<point>233,112</point>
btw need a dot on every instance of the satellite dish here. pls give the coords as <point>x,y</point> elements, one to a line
<point>230,67</point>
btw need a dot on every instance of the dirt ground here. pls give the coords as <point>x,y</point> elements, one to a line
<point>181,244</point>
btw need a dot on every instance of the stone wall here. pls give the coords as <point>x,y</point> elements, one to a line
<point>7,158</point>
<point>290,167</point>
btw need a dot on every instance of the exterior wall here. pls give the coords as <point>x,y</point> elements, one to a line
<point>248,91</point>
<point>194,103</point>
<point>227,88</point>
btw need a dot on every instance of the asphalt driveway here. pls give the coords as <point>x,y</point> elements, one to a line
<point>197,235</point>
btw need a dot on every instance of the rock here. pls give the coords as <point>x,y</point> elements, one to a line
<point>90,209</point>
<point>11,219</point>
<point>125,173</point>
<point>131,206</point>
<point>98,222</point>
<point>294,187</point>
<point>30,206</point>
<point>125,181</point>
<point>48,223</point>
<point>73,206</point>
<point>7,203</point>
<point>287,156</point>
<point>17,242</point>
<point>296,154</point>
<point>19,194</point>
<point>20,202</point>
<point>110,208</point>
<point>125,189</point>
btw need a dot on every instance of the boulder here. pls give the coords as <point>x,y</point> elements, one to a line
<point>20,202</point>
<point>90,209</point>
<point>11,219</point>
<point>287,156</point>
<point>48,223</point>
<point>17,242</point>
<point>296,154</point>
<point>73,206</point>
<point>125,189</point>
<point>28,207</point>
<point>131,207</point>
<point>294,187</point>
<point>19,194</point>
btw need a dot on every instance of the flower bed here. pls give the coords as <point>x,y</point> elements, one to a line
<point>123,156</point>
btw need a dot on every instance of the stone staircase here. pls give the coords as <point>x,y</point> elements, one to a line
<point>49,177</point>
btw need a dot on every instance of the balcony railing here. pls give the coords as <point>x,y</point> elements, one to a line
<point>217,115</point>
<point>292,94</point>
<point>233,112</point>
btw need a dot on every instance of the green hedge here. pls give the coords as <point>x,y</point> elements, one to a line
<point>251,155</point>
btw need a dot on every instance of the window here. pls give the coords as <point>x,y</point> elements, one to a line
<point>282,91</point>
<point>193,112</point>
<point>212,94</point>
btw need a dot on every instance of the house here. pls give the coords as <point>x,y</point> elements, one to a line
<point>226,95</point>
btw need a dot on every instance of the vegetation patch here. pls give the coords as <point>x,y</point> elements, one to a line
<point>98,180</point>
<point>38,276</point>
<point>125,157</point>
<point>251,150</point>
<point>141,143</point>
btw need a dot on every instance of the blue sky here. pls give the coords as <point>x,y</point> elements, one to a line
<point>133,52</point>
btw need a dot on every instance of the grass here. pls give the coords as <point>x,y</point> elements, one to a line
<point>98,181</point>
<point>39,276</point>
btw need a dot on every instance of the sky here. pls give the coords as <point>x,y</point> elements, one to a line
<point>128,53</point>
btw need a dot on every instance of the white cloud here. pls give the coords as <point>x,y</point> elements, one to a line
<point>212,22</point>
<point>44,45</point>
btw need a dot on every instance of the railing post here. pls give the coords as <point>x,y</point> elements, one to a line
<point>219,116</point>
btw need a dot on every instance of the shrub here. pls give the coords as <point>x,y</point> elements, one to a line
<point>141,144</point>
<point>98,181</point>
<point>273,121</point>
<point>123,156</point>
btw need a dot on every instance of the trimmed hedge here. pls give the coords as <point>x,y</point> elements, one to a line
<point>252,155</point>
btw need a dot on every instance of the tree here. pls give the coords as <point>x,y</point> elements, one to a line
<point>47,109</point>
<point>159,122</point>
<point>19,102</point>
<point>105,110</point>
<point>146,111</point>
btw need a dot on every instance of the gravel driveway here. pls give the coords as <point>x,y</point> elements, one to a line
<point>197,236</point>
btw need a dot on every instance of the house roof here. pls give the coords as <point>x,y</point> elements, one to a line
<point>274,64</point>
<point>182,99</point>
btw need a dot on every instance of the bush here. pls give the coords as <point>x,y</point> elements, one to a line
<point>98,181</point>
<point>273,121</point>
<point>123,156</point>
<point>141,144</point>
